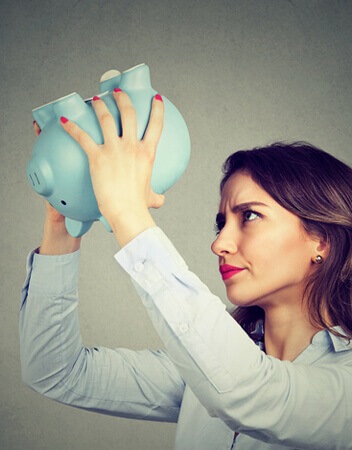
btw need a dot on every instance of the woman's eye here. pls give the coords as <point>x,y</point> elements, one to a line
<point>218,226</point>
<point>249,216</point>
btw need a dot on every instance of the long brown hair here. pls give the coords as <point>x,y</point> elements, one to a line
<point>316,187</point>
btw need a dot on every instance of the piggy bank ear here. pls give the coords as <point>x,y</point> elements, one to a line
<point>109,80</point>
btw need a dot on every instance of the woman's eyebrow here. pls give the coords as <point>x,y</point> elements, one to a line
<point>247,205</point>
<point>241,207</point>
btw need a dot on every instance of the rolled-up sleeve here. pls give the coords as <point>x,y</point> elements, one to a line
<point>139,384</point>
<point>268,399</point>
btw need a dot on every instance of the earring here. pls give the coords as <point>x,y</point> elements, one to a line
<point>318,259</point>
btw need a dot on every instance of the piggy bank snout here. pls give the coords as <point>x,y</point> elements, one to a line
<point>40,177</point>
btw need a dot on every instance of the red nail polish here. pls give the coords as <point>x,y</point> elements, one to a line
<point>158,97</point>
<point>95,98</point>
<point>63,119</point>
<point>117,90</point>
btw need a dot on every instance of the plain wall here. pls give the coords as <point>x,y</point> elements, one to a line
<point>243,73</point>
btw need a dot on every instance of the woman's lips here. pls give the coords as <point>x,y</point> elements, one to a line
<point>228,271</point>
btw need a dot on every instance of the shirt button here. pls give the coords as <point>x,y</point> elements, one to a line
<point>183,327</point>
<point>138,267</point>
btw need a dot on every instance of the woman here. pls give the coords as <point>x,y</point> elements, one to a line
<point>284,249</point>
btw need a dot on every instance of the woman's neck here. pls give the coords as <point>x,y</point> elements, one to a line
<point>287,332</point>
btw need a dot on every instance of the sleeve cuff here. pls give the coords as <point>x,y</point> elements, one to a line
<point>150,257</point>
<point>53,274</point>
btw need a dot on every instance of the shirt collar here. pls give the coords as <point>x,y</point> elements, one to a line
<point>340,344</point>
<point>323,337</point>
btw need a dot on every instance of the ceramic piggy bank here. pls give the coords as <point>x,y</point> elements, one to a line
<point>59,169</point>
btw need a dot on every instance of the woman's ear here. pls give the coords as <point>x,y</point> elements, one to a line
<point>321,250</point>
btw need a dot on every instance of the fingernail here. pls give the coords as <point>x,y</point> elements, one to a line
<point>95,98</point>
<point>117,90</point>
<point>37,130</point>
<point>158,97</point>
<point>63,119</point>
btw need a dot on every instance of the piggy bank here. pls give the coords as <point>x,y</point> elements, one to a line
<point>59,168</point>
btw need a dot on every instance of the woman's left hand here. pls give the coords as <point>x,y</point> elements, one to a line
<point>121,168</point>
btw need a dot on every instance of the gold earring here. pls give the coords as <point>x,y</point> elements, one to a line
<point>318,259</point>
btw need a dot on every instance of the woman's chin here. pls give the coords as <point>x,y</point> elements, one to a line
<point>241,300</point>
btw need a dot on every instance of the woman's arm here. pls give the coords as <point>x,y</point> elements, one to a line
<point>55,363</point>
<point>271,400</point>
<point>56,240</point>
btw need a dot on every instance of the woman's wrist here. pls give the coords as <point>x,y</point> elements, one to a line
<point>130,224</point>
<point>57,241</point>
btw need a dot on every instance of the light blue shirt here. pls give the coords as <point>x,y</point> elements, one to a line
<point>211,378</point>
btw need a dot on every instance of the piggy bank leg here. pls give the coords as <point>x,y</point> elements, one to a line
<point>77,228</point>
<point>105,223</point>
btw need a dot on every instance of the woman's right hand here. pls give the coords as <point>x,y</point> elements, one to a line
<point>56,239</point>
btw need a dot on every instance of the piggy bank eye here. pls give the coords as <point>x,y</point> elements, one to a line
<point>63,202</point>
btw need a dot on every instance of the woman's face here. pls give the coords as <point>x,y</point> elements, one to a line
<point>268,242</point>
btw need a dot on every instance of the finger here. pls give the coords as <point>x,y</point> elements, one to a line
<point>128,114</point>
<point>156,123</point>
<point>37,130</point>
<point>80,136</point>
<point>158,201</point>
<point>107,122</point>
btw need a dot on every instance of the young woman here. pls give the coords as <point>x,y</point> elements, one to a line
<point>278,373</point>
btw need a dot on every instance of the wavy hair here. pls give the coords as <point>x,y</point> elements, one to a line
<point>316,187</point>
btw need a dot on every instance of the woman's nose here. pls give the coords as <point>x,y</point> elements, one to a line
<point>224,244</point>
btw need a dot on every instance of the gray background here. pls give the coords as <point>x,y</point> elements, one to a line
<point>243,73</point>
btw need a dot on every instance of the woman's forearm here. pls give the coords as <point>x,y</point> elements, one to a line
<point>57,241</point>
<point>127,226</point>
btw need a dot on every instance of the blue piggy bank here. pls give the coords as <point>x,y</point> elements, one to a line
<point>59,168</point>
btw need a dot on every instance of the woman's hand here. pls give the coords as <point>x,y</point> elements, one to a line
<point>56,239</point>
<point>121,168</point>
